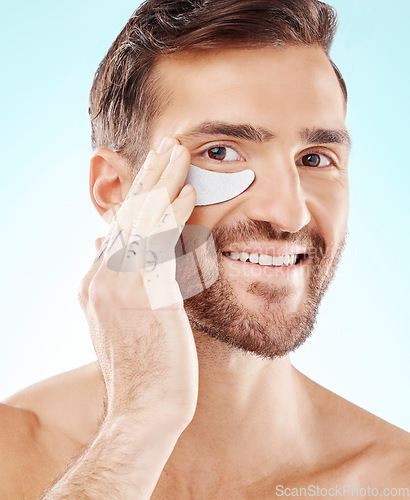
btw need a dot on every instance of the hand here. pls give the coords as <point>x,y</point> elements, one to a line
<point>138,325</point>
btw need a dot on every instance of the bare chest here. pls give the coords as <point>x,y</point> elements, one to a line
<point>346,482</point>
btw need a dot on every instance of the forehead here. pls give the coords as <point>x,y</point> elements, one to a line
<point>276,87</point>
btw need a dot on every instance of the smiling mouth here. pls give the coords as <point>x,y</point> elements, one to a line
<point>267,260</point>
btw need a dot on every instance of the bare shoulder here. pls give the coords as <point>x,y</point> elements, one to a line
<point>380,451</point>
<point>70,401</point>
<point>27,464</point>
<point>384,465</point>
<point>43,427</point>
<point>18,430</point>
<point>359,447</point>
<point>388,457</point>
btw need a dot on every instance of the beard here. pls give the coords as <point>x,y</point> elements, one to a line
<point>271,332</point>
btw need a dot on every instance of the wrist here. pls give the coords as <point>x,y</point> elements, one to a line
<point>132,423</point>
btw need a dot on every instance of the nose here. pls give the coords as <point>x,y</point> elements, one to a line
<point>276,196</point>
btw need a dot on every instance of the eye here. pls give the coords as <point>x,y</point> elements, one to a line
<point>314,160</point>
<point>221,153</point>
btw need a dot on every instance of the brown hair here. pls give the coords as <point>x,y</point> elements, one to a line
<point>125,97</point>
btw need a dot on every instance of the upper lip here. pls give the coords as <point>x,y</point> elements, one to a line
<point>267,249</point>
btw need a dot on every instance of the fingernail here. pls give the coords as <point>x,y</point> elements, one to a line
<point>176,153</point>
<point>166,145</point>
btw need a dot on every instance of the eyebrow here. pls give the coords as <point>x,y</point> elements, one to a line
<point>261,134</point>
<point>326,136</point>
<point>238,130</point>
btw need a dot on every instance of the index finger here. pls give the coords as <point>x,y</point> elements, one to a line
<point>124,214</point>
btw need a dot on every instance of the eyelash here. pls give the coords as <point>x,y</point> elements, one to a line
<point>320,151</point>
<point>332,158</point>
<point>220,145</point>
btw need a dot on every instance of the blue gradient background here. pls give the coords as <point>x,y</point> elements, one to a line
<point>49,52</point>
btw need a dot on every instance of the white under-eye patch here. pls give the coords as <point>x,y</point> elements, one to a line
<point>216,187</point>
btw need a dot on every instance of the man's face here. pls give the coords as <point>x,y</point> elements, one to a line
<point>280,113</point>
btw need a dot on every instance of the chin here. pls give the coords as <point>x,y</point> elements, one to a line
<point>261,296</point>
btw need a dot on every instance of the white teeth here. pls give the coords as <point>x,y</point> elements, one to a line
<point>243,256</point>
<point>263,259</point>
<point>254,258</point>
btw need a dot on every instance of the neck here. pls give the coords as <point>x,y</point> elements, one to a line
<point>252,415</point>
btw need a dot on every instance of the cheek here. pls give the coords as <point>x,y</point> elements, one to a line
<point>327,199</point>
<point>208,216</point>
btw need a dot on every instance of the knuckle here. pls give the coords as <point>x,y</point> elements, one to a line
<point>100,297</point>
<point>108,296</point>
<point>83,292</point>
<point>169,175</point>
<point>150,164</point>
<point>149,167</point>
<point>176,211</point>
<point>95,291</point>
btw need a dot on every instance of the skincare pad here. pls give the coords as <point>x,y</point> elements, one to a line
<point>215,187</point>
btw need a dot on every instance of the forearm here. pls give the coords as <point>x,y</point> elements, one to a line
<point>124,461</point>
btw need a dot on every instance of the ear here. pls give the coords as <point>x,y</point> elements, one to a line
<point>110,181</point>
